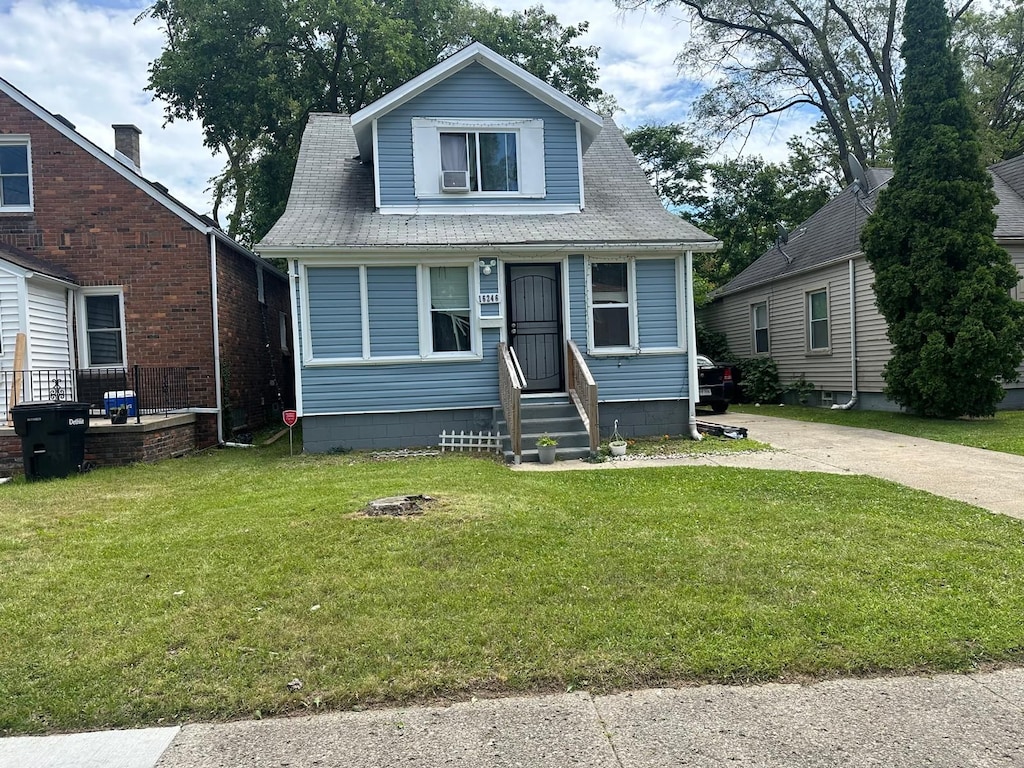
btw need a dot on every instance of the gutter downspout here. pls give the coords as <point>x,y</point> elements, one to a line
<point>852,402</point>
<point>216,337</point>
<point>691,350</point>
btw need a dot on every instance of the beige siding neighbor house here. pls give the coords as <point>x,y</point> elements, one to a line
<point>808,301</point>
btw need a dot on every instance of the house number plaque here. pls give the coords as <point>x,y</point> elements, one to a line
<point>489,298</point>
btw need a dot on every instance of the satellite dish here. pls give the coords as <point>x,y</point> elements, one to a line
<point>859,177</point>
<point>783,233</point>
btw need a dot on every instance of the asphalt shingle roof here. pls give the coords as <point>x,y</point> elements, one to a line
<point>332,205</point>
<point>833,231</point>
<point>32,263</point>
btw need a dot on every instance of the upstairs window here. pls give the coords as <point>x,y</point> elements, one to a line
<point>479,162</point>
<point>493,158</point>
<point>15,185</point>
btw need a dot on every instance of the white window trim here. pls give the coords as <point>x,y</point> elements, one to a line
<point>18,139</point>
<point>282,325</point>
<point>631,304</point>
<point>426,353</point>
<point>754,328</point>
<point>81,322</point>
<point>261,294</point>
<point>812,350</point>
<point>426,151</point>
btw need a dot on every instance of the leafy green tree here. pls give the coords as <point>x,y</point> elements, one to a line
<point>941,282</point>
<point>673,162</point>
<point>252,70</point>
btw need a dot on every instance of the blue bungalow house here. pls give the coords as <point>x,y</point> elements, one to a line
<point>477,251</point>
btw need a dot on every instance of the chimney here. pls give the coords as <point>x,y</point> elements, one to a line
<point>126,141</point>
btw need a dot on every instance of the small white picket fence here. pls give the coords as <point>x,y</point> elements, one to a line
<point>469,441</point>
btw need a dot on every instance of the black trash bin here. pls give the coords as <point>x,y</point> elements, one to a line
<point>52,437</point>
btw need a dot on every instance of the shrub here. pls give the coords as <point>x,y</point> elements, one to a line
<point>760,380</point>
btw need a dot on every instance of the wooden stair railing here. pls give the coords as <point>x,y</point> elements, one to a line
<point>510,384</point>
<point>583,392</point>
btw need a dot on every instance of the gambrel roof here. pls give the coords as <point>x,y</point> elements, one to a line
<point>332,206</point>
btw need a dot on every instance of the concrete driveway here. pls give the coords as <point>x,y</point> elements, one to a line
<point>987,479</point>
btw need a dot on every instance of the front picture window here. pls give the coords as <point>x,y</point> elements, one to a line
<point>103,330</point>
<point>449,309</point>
<point>609,286</point>
<point>488,160</point>
<point>14,186</point>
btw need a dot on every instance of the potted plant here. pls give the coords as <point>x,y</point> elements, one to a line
<point>617,445</point>
<point>546,447</point>
<point>119,415</point>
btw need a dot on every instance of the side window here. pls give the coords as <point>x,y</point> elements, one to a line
<point>261,295</point>
<point>817,321</point>
<point>103,332</point>
<point>759,325</point>
<point>282,323</point>
<point>15,179</point>
<point>450,313</point>
<point>611,304</point>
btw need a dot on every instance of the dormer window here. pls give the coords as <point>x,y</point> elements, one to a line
<point>491,158</point>
<point>479,162</point>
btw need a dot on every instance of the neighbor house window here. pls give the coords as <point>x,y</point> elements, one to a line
<point>487,161</point>
<point>15,185</point>
<point>102,330</point>
<point>759,322</point>
<point>282,324</point>
<point>817,321</point>
<point>610,304</point>
<point>450,313</point>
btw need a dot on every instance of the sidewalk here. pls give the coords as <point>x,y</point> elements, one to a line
<point>947,721</point>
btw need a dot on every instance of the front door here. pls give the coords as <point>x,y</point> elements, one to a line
<point>535,324</point>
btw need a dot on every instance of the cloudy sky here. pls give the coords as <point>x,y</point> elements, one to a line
<point>88,59</point>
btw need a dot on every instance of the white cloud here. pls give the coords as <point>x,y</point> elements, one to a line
<point>90,64</point>
<point>88,60</point>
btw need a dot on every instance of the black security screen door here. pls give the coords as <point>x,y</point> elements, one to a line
<point>535,324</point>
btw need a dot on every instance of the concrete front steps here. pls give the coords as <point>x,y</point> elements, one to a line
<point>554,415</point>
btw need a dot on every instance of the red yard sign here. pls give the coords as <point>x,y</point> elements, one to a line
<point>290,418</point>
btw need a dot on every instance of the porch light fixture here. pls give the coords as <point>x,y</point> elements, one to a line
<point>486,266</point>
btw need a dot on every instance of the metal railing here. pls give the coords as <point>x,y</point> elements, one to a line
<point>156,389</point>
<point>510,384</point>
<point>583,392</point>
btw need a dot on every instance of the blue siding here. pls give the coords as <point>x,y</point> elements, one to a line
<point>393,311</point>
<point>334,312</point>
<point>404,386</point>
<point>656,303</point>
<point>475,92</point>
<point>628,377</point>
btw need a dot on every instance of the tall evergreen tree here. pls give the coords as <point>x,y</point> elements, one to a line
<point>941,281</point>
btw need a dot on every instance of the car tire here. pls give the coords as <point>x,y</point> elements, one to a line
<point>720,406</point>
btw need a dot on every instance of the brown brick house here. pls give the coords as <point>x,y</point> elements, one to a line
<point>107,283</point>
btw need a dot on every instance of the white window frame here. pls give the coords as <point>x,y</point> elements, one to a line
<point>754,328</point>
<point>261,294</point>
<point>24,140</point>
<point>426,140</point>
<point>81,322</point>
<point>811,349</point>
<point>282,324</point>
<point>425,340</point>
<point>631,305</point>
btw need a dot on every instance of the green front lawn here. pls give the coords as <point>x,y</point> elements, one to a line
<point>1003,432</point>
<point>197,589</point>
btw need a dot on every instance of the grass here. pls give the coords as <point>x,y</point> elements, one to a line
<point>682,445</point>
<point>1004,432</point>
<point>196,589</point>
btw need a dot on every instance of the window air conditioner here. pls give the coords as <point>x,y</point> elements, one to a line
<point>455,181</point>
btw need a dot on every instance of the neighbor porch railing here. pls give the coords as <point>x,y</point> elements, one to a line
<point>157,389</point>
<point>583,392</point>
<point>510,385</point>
